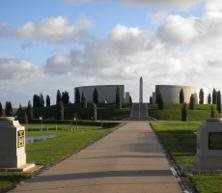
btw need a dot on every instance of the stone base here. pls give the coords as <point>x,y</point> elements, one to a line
<point>209,163</point>
<point>30,168</point>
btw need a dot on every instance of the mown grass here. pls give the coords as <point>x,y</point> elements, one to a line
<point>180,141</point>
<point>173,112</point>
<point>65,143</point>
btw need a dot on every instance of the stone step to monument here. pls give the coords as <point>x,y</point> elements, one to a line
<point>30,168</point>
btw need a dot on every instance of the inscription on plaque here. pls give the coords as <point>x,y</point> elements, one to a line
<point>215,141</point>
<point>21,138</point>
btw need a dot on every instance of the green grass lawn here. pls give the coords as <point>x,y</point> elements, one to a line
<point>180,141</point>
<point>65,143</point>
<point>173,112</point>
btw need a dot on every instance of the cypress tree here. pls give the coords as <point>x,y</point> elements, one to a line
<point>20,114</point>
<point>65,97</point>
<point>214,96</point>
<point>48,101</point>
<point>42,102</point>
<point>77,96</point>
<point>151,100</point>
<point>36,101</point>
<point>26,118</point>
<point>209,98</point>
<point>58,97</point>
<point>130,101</point>
<point>94,111</point>
<point>219,102</point>
<point>84,101</point>
<point>118,99</point>
<point>158,94</point>
<point>181,96</point>
<point>1,110</point>
<point>160,103</point>
<point>29,111</point>
<point>212,113</point>
<point>60,111</point>
<point>192,102</point>
<point>8,109</point>
<point>95,96</point>
<point>201,96</point>
<point>184,112</point>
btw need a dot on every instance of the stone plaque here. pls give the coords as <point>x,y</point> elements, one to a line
<point>21,138</point>
<point>215,140</point>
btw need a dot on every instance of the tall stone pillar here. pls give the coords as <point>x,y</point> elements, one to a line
<point>141,90</point>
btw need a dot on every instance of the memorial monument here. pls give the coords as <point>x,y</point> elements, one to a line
<point>209,145</point>
<point>12,146</point>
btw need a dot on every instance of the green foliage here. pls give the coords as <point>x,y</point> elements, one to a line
<point>214,96</point>
<point>192,102</point>
<point>218,101</point>
<point>38,100</point>
<point>29,111</point>
<point>95,96</point>
<point>184,112</point>
<point>65,97</point>
<point>209,99</point>
<point>8,109</point>
<point>201,96</point>
<point>77,96</point>
<point>1,110</point>
<point>181,98</point>
<point>160,104</point>
<point>84,101</point>
<point>130,101</point>
<point>60,111</point>
<point>151,100</point>
<point>212,113</point>
<point>118,99</point>
<point>48,101</point>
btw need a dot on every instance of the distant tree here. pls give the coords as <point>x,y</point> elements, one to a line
<point>212,113</point>
<point>26,118</point>
<point>58,97</point>
<point>29,111</point>
<point>60,111</point>
<point>118,99</point>
<point>65,97</point>
<point>214,96</point>
<point>209,98</point>
<point>130,102</point>
<point>201,96</point>
<point>77,96</point>
<point>181,96</point>
<point>84,101</point>
<point>192,102</point>
<point>42,102</point>
<point>48,101</point>
<point>184,112</point>
<point>95,96</point>
<point>158,94</point>
<point>94,112</point>
<point>1,110</point>
<point>20,113</point>
<point>8,109</point>
<point>36,101</point>
<point>151,100</point>
<point>218,101</point>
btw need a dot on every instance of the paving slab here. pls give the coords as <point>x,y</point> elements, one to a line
<point>129,160</point>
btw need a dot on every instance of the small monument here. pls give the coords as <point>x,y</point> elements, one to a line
<point>12,146</point>
<point>141,90</point>
<point>209,145</point>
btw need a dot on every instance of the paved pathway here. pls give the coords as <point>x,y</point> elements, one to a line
<point>129,160</point>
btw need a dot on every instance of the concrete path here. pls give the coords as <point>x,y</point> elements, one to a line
<point>129,160</point>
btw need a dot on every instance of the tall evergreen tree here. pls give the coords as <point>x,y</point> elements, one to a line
<point>184,112</point>
<point>95,96</point>
<point>48,101</point>
<point>65,97</point>
<point>130,101</point>
<point>192,102</point>
<point>8,109</point>
<point>94,111</point>
<point>41,98</point>
<point>160,102</point>
<point>218,101</point>
<point>118,99</point>
<point>60,111</point>
<point>181,96</point>
<point>209,98</point>
<point>214,96</point>
<point>36,101</point>
<point>84,101</point>
<point>29,111</point>
<point>201,96</point>
<point>58,97</point>
<point>77,96</point>
<point>151,100</point>
<point>212,113</point>
<point>1,110</point>
<point>20,113</point>
<point>158,94</point>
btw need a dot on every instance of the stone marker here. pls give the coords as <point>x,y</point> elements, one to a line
<point>12,146</point>
<point>209,145</point>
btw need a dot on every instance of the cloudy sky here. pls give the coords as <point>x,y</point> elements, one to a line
<point>47,45</point>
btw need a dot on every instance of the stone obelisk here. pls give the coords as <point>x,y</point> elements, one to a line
<point>141,90</point>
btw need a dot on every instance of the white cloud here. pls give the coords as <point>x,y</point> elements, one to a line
<point>16,69</point>
<point>56,30</point>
